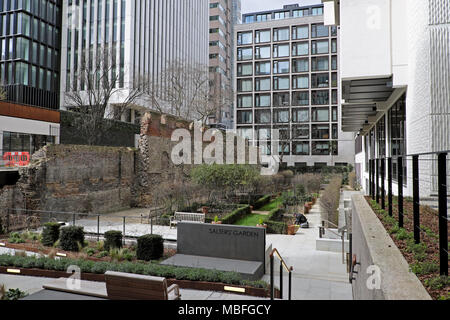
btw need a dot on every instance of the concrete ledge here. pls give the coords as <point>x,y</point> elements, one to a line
<point>372,245</point>
<point>331,245</point>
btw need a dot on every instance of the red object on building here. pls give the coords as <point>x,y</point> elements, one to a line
<point>16,159</point>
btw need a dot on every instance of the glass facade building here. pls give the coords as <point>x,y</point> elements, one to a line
<point>30,51</point>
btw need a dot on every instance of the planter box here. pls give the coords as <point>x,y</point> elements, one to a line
<point>184,284</point>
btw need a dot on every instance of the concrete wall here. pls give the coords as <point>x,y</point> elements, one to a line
<point>373,246</point>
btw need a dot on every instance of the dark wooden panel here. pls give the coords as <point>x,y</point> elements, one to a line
<point>28,112</point>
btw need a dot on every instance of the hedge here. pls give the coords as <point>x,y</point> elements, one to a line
<point>275,214</point>
<point>151,269</point>
<point>262,201</point>
<point>50,234</point>
<point>113,240</point>
<point>71,238</point>
<point>150,247</point>
<point>236,215</point>
<point>276,227</point>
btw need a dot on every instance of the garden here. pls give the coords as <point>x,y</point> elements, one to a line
<point>422,258</point>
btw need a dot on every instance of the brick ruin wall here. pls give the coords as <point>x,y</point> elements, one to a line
<point>91,179</point>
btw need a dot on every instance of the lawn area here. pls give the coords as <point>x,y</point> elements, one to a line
<point>272,205</point>
<point>251,220</point>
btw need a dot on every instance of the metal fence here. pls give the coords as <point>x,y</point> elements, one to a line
<point>150,221</point>
<point>378,192</point>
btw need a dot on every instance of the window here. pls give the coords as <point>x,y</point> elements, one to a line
<point>262,84</point>
<point>333,46</point>
<point>300,49</point>
<point>300,32</point>
<point>319,47</point>
<point>300,115</point>
<point>334,114</point>
<point>262,68</point>
<point>280,67</point>
<point>281,15</point>
<point>317,11</point>
<point>245,38</point>
<point>320,148</point>
<point>281,99</point>
<point>263,116</point>
<point>320,80</point>
<point>245,85</point>
<point>245,54</point>
<point>381,137</point>
<point>319,64</point>
<point>262,100</point>
<point>281,83</point>
<point>262,36</point>
<point>244,101</point>
<point>320,114</point>
<point>320,97</point>
<point>281,116</point>
<point>319,31</point>
<point>245,69</point>
<point>300,65</point>
<point>300,132</point>
<point>246,133</point>
<point>245,117</point>
<point>320,131</point>
<point>281,50</point>
<point>300,148</point>
<point>249,19</point>
<point>334,63</point>
<point>281,34</point>
<point>265,133</point>
<point>334,96</point>
<point>262,52</point>
<point>397,117</point>
<point>300,82</point>
<point>263,17</point>
<point>333,31</point>
<point>300,98</point>
<point>300,13</point>
<point>334,79</point>
<point>334,132</point>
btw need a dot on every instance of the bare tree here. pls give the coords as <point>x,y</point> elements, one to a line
<point>94,87</point>
<point>186,91</point>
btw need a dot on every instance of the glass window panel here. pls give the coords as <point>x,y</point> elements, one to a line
<point>300,49</point>
<point>263,100</point>
<point>300,98</point>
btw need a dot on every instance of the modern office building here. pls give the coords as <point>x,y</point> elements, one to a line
<point>287,76</point>
<point>145,36</point>
<point>395,58</point>
<point>223,15</point>
<point>29,74</point>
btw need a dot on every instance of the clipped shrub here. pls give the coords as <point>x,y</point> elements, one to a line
<point>236,215</point>
<point>50,234</point>
<point>150,247</point>
<point>262,202</point>
<point>113,240</point>
<point>276,227</point>
<point>71,238</point>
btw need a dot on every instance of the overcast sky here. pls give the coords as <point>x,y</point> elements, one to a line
<point>261,5</point>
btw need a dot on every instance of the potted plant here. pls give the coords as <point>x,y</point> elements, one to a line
<point>261,224</point>
<point>306,208</point>
<point>216,220</point>
<point>292,229</point>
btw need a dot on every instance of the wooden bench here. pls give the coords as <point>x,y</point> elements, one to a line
<point>126,286</point>
<point>186,217</point>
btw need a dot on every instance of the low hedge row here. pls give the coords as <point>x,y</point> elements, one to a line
<point>262,201</point>
<point>151,269</point>
<point>274,223</point>
<point>237,214</point>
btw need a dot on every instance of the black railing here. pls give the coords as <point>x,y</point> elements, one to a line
<point>377,192</point>
<point>22,219</point>
<point>283,265</point>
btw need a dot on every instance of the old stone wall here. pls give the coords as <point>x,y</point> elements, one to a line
<point>84,179</point>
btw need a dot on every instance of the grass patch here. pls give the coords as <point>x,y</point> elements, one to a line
<point>272,205</point>
<point>251,220</point>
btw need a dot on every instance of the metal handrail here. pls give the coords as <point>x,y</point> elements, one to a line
<point>323,220</point>
<point>282,265</point>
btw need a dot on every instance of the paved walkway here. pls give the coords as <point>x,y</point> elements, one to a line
<point>317,275</point>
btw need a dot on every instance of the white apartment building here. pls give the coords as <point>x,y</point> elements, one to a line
<point>395,71</point>
<point>145,35</point>
<point>286,79</point>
